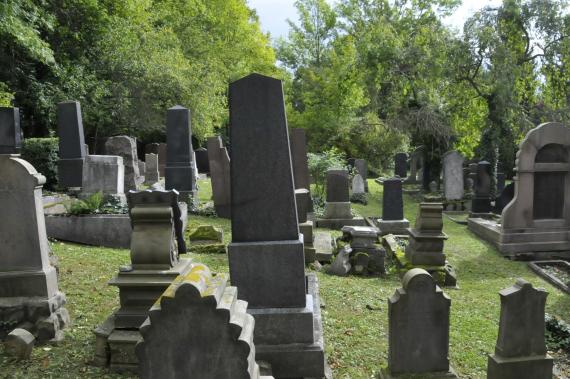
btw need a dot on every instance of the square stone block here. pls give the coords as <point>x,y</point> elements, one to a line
<point>269,274</point>
<point>337,210</point>
<point>537,367</point>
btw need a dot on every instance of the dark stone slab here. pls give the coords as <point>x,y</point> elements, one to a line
<point>501,178</point>
<point>504,198</point>
<point>71,144</point>
<point>401,165</point>
<point>10,133</point>
<point>361,166</point>
<point>521,350</point>
<point>179,174</point>
<point>392,203</point>
<point>263,199</point>
<point>483,179</point>
<point>299,158</point>
<point>549,188</point>
<point>219,167</point>
<point>337,186</point>
<point>418,315</point>
<point>202,160</point>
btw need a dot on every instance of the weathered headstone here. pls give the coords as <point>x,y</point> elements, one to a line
<point>361,166</point>
<point>418,328</point>
<point>156,242</point>
<point>220,176</point>
<point>366,255</point>
<point>202,162</point>
<point>29,295</point>
<point>10,133</point>
<point>179,171</point>
<point>426,241</point>
<point>520,352</point>
<point>198,329</point>
<point>417,163</point>
<point>126,147</point>
<point>19,344</point>
<point>338,211</point>
<point>358,186</point>
<point>337,186</point>
<point>481,202</point>
<point>71,144</point>
<point>160,150</point>
<point>392,221</point>
<point>151,174</point>
<point>105,174</point>
<point>401,165</point>
<point>299,160</point>
<point>266,253</point>
<point>142,169</point>
<point>453,186</point>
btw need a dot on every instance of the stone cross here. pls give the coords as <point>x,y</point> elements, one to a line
<point>10,133</point>
<point>521,350</point>
<point>72,150</point>
<point>453,185</point>
<point>219,165</point>
<point>418,330</point>
<point>179,171</point>
<point>400,165</point>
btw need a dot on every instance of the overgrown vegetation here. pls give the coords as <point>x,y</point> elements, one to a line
<point>42,153</point>
<point>95,204</point>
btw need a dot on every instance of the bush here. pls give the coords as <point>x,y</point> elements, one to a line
<point>43,154</point>
<point>90,205</point>
<point>320,163</point>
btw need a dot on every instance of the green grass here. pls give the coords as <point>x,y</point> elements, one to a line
<point>354,313</point>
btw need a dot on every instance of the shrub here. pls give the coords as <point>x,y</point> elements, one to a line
<point>319,163</point>
<point>90,205</point>
<point>43,154</point>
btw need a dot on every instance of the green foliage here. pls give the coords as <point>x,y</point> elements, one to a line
<point>90,205</point>
<point>557,333</point>
<point>359,198</point>
<point>319,164</point>
<point>42,153</point>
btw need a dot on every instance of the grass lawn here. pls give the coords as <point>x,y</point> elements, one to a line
<point>354,313</point>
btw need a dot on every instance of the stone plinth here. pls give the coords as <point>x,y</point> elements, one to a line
<point>418,334</point>
<point>426,241</point>
<point>179,170</point>
<point>71,144</point>
<point>521,350</point>
<point>219,166</point>
<point>29,295</point>
<point>10,133</point>
<point>198,329</point>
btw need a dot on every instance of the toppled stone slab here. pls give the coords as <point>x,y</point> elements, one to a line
<point>19,344</point>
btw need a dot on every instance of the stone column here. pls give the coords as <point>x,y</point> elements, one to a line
<point>219,164</point>
<point>179,171</point>
<point>266,253</point>
<point>71,144</point>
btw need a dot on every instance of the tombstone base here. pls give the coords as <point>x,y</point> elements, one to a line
<point>41,284</point>
<point>324,246</point>
<point>306,229</point>
<point>70,172</point>
<point>340,210</point>
<point>385,374</point>
<point>536,367</point>
<point>392,226</point>
<point>338,223</point>
<point>261,270</point>
<point>44,317</point>
<point>301,352</point>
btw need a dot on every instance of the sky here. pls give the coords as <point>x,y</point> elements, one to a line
<point>274,13</point>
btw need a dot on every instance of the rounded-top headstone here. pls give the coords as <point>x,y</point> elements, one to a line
<point>418,279</point>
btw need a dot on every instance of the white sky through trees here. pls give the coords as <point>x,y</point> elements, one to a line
<point>274,13</point>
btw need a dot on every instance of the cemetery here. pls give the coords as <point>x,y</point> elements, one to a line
<point>247,207</point>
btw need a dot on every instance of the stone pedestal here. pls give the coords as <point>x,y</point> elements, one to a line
<point>426,241</point>
<point>29,295</point>
<point>366,257</point>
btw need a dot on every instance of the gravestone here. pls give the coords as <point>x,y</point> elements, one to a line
<point>105,174</point>
<point>202,162</point>
<point>198,329</point>
<point>179,171</point>
<point>126,147</point>
<point>392,220</point>
<point>418,329</point>
<point>71,144</point>
<point>401,165</point>
<point>266,253</point>
<point>453,186</point>
<point>481,202</point>
<point>505,197</point>
<point>156,243</point>
<point>361,166</point>
<point>472,175</point>
<point>501,179</point>
<point>10,132</point>
<point>520,352</point>
<point>300,161</point>
<point>338,211</point>
<point>358,186</point>
<point>220,176</point>
<point>142,170</point>
<point>426,241</point>
<point>366,256</point>
<point>151,174</point>
<point>417,163</point>
<point>160,150</point>
<point>29,294</point>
